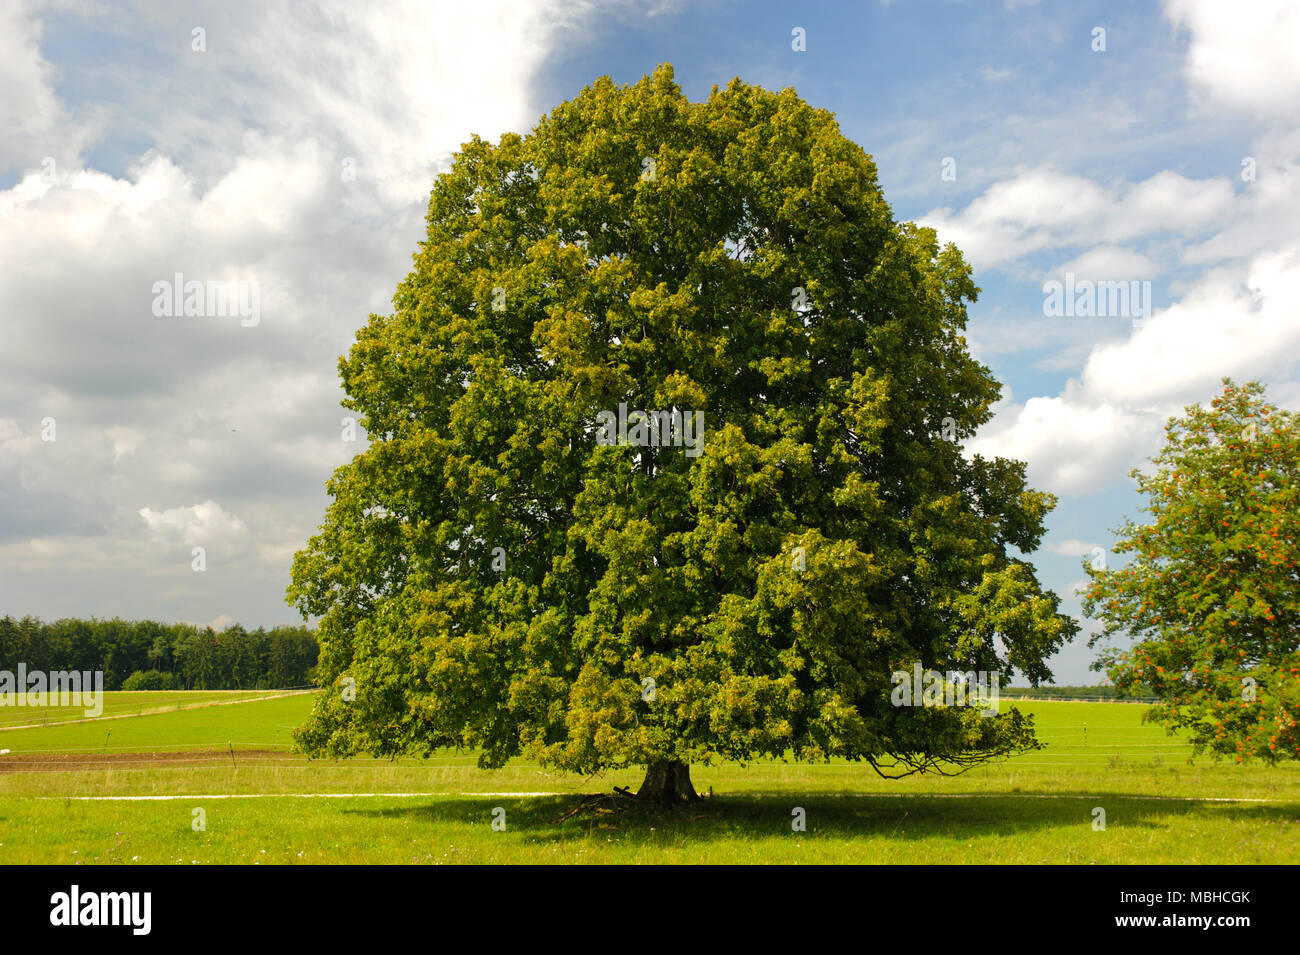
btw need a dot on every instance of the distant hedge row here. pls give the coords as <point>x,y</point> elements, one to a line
<point>1101,691</point>
<point>145,654</point>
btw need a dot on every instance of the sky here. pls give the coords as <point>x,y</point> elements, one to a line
<point>294,145</point>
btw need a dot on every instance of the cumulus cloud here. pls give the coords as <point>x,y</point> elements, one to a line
<point>1242,56</point>
<point>1109,417</point>
<point>1220,327</point>
<point>294,152</point>
<point>35,128</point>
<point>1047,208</point>
<point>1108,263</point>
<point>1236,317</point>
<point>1239,322</point>
<point>1072,445</point>
<point>197,525</point>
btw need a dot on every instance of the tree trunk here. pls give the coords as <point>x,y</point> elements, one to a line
<point>667,784</point>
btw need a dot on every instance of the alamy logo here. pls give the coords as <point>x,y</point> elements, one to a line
<point>211,299</point>
<point>652,429</point>
<point>59,688</point>
<point>1088,299</point>
<point>103,908</point>
<point>955,688</point>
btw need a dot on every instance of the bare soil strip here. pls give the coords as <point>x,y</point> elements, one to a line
<point>60,762</point>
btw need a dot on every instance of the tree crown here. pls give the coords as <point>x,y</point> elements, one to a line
<point>1211,594</point>
<point>495,572</point>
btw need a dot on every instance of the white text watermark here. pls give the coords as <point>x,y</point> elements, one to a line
<point>38,688</point>
<point>954,688</point>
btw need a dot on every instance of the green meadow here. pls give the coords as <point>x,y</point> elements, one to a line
<point>126,789</point>
<point>125,704</point>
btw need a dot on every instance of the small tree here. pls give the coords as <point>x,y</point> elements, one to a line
<point>503,568</point>
<point>1211,596</point>
<point>147,680</point>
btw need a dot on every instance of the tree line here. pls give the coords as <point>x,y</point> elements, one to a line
<point>149,655</point>
<point>1102,691</point>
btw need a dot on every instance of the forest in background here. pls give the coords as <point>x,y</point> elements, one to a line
<point>149,655</point>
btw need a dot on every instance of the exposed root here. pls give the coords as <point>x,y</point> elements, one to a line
<point>602,804</point>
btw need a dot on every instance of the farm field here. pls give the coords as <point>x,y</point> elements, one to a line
<point>118,703</point>
<point>125,790</point>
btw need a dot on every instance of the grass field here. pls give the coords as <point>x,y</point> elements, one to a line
<point>126,790</point>
<point>128,704</point>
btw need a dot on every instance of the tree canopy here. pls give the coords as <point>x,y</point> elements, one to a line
<point>1211,595</point>
<point>491,573</point>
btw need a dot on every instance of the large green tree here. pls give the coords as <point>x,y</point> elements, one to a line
<point>492,574</point>
<point>1207,611</point>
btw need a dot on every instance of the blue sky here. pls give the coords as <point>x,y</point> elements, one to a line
<point>128,153</point>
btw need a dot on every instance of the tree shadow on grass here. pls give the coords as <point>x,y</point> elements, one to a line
<point>833,817</point>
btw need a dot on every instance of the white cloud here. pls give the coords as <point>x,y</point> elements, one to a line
<point>1108,263</point>
<point>125,441</point>
<point>395,86</point>
<point>1243,56</point>
<point>1109,418</point>
<point>1071,446</point>
<point>224,164</point>
<point>993,75</point>
<point>1071,547</point>
<point>1221,327</point>
<point>33,123</point>
<point>1265,217</point>
<point>1046,208</point>
<point>206,524</point>
<point>1237,318</point>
